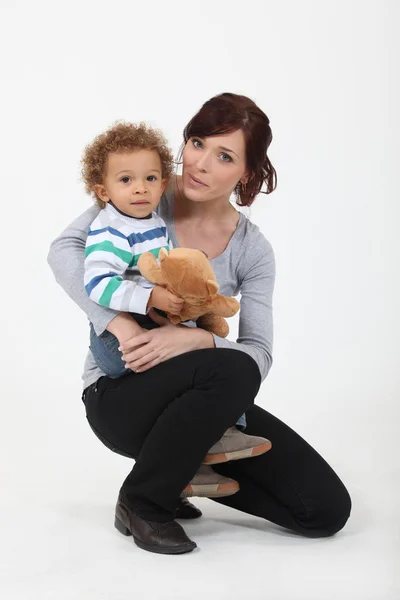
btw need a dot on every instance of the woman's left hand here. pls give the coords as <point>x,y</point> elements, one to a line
<point>147,350</point>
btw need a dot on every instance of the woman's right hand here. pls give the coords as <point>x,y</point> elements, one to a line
<point>164,300</point>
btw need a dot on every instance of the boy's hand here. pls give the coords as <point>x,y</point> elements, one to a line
<point>164,300</point>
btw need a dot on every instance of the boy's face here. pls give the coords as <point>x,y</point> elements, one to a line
<point>133,182</point>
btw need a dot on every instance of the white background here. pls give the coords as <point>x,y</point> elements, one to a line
<point>326,74</point>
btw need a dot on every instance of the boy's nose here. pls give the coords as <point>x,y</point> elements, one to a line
<point>140,188</point>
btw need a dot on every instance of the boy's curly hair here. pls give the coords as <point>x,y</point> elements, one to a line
<point>122,137</point>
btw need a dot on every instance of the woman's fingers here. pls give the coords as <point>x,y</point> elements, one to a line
<point>130,356</point>
<point>148,366</point>
<point>143,363</point>
<point>135,342</point>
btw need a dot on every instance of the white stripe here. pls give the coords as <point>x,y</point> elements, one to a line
<point>95,271</point>
<point>105,261</point>
<point>97,291</point>
<point>105,236</point>
<point>127,287</point>
<point>149,245</point>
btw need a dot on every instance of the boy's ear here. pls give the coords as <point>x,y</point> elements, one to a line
<point>164,184</point>
<point>101,192</point>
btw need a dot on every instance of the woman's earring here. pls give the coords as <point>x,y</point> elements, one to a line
<point>243,188</point>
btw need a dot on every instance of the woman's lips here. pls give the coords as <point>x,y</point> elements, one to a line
<point>196,182</point>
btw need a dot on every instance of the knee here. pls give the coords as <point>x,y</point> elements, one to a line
<point>232,379</point>
<point>327,517</point>
<point>239,370</point>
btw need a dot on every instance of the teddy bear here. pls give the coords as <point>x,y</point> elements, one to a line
<point>188,274</point>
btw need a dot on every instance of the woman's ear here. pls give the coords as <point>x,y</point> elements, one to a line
<point>101,192</point>
<point>243,180</point>
<point>246,178</point>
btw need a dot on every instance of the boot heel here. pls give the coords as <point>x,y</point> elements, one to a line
<point>121,527</point>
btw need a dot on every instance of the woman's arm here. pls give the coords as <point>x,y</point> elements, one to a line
<point>257,271</point>
<point>144,351</point>
<point>66,259</point>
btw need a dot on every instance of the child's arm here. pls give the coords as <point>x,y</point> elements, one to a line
<point>107,256</point>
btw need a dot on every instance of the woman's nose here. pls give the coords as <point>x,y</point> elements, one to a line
<point>203,162</point>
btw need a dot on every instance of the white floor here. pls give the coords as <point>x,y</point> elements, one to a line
<point>58,540</point>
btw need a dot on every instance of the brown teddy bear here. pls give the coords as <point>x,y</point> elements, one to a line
<point>188,273</point>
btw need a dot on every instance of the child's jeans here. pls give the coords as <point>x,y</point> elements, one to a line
<point>108,358</point>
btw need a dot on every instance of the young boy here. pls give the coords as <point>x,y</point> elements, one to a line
<point>127,168</point>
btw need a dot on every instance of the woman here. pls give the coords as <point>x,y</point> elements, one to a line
<point>187,386</point>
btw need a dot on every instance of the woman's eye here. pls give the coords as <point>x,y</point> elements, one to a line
<point>126,179</point>
<point>226,157</point>
<point>197,143</point>
<point>152,178</point>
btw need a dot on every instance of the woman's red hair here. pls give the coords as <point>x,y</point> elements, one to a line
<point>226,113</point>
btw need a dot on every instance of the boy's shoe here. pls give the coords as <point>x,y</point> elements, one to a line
<point>209,484</point>
<point>235,445</point>
<point>187,510</point>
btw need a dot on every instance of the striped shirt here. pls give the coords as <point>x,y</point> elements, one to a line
<point>114,245</point>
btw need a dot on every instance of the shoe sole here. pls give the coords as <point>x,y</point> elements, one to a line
<point>167,550</point>
<point>217,490</point>
<point>216,459</point>
<point>185,517</point>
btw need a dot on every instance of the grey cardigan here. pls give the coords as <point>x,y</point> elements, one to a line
<point>246,266</point>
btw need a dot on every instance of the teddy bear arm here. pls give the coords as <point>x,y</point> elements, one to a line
<point>224,306</point>
<point>150,269</point>
<point>214,324</point>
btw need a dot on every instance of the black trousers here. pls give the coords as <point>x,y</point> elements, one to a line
<point>168,417</point>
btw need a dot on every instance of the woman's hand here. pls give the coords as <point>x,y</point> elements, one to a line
<point>146,350</point>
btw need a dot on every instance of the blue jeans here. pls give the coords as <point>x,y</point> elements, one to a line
<point>108,358</point>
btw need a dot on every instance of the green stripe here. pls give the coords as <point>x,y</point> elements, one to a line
<point>112,286</point>
<point>136,257</point>
<point>108,246</point>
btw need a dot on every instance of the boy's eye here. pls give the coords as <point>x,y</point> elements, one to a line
<point>125,179</point>
<point>152,178</point>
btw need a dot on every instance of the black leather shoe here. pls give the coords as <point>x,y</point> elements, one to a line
<point>187,510</point>
<point>163,538</point>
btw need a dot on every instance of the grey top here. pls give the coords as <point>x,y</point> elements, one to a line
<point>247,265</point>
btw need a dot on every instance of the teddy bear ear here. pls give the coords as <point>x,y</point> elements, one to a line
<point>162,255</point>
<point>212,286</point>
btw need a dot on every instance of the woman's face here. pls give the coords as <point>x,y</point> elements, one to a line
<point>212,166</point>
